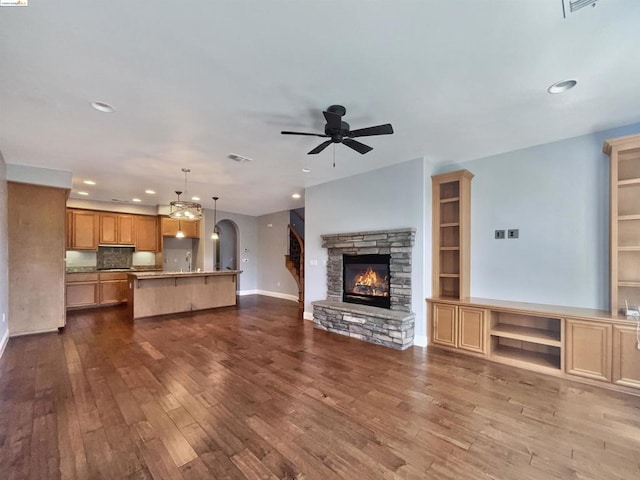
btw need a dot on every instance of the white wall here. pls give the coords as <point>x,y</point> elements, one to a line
<point>392,197</point>
<point>273,276</point>
<point>557,195</point>
<point>4,258</point>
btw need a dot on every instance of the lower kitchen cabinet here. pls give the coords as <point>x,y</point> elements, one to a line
<point>82,290</point>
<point>96,289</point>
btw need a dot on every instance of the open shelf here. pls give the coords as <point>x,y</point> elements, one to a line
<point>527,358</point>
<point>631,181</point>
<point>629,284</point>
<point>451,249</point>
<point>448,200</point>
<point>528,334</point>
<point>635,248</point>
<point>449,275</point>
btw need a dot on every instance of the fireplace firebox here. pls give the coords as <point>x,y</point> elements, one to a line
<point>366,280</point>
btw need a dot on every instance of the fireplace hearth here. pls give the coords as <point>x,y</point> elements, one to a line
<point>366,280</point>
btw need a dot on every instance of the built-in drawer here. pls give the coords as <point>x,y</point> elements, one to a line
<point>82,277</point>
<point>106,276</point>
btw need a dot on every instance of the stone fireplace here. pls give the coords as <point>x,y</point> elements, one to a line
<point>369,306</point>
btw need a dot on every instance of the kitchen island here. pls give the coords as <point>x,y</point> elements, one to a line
<point>162,293</point>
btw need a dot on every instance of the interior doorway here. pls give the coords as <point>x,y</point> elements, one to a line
<point>225,256</point>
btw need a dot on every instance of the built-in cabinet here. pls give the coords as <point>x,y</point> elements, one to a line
<point>117,229</point>
<point>458,327</point>
<point>590,345</point>
<point>171,226</point>
<point>451,201</point>
<point>624,216</point>
<point>83,230</point>
<point>96,289</point>
<point>88,228</point>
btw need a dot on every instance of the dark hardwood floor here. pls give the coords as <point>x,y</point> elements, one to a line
<point>256,393</point>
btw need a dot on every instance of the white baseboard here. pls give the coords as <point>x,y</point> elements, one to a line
<point>308,316</point>
<point>3,342</point>
<point>420,340</point>
<point>284,296</point>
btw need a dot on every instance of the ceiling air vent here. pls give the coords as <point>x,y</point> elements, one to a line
<point>569,7</point>
<point>239,158</point>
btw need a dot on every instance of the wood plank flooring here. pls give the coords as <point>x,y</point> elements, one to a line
<point>254,392</point>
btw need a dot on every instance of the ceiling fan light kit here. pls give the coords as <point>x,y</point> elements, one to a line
<point>339,131</point>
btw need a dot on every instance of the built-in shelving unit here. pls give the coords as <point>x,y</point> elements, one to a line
<point>526,340</point>
<point>451,221</point>
<point>624,156</point>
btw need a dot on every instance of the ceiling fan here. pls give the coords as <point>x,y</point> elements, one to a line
<point>339,132</point>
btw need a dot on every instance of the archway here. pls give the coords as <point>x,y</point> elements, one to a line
<point>225,251</point>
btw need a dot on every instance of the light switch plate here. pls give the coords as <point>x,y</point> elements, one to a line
<point>499,235</point>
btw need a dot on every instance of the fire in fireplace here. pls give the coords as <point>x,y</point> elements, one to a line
<point>366,279</point>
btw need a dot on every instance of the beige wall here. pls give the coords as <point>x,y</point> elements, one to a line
<point>4,257</point>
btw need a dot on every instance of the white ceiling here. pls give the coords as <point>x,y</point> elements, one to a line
<point>195,80</point>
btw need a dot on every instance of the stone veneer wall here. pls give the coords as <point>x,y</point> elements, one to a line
<point>397,243</point>
<point>392,328</point>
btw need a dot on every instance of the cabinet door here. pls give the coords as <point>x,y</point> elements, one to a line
<point>124,291</point>
<point>169,227</point>
<point>110,292</point>
<point>589,349</point>
<point>626,356</point>
<point>108,228</point>
<point>471,329</point>
<point>445,326</point>
<point>126,230</point>
<point>82,294</point>
<point>146,234</point>
<point>85,230</point>
<point>69,231</point>
<point>191,229</point>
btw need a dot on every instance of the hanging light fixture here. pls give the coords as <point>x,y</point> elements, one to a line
<point>215,235</point>
<point>183,209</point>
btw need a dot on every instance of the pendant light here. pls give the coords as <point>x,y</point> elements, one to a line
<point>182,209</point>
<point>215,235</point>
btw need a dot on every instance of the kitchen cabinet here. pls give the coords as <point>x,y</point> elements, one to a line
<point>81,290</point>
<point>117,229</point>
<point>147,238</point>
<point>190,228</point>
<point>113,288</point>
<point>84,230</point>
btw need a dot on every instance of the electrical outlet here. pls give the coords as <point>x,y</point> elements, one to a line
<point>513,233</point>
<point>499,235</point>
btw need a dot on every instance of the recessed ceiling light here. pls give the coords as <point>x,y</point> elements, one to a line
<point>195,199</point>
<point>103,107</point>
<point>562,86</point>
<point>295,195</point>
<point>83,193</point>
<point>89,182</point>
<point>136,200</point>
<point>150,192</point>
<point>306,170</point>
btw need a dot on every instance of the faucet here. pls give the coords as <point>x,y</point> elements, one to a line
<point>188,260</point>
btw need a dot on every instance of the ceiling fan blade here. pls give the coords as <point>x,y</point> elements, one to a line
<point>303,133</point>
<point>334,121</point>
<point>385,129</point>
<point>357,146</point>
<point>320,147</point>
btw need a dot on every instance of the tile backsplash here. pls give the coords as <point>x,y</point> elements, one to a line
<point>114,257</point>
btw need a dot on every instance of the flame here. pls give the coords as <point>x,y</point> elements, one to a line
<point>371,283</point>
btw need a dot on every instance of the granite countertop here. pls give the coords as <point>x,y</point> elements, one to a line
<point>139,268</point>
<point>160,274</point>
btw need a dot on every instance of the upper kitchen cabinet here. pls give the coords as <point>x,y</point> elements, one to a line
<point>147,234</point>
<point>83,230</point>
<point>190,228</point>
<point>117,229</point>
